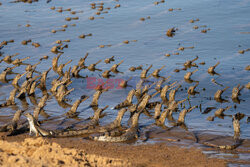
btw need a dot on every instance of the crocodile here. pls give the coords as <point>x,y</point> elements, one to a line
<point>57,82</point>
<point>108,60</point>
<point>12,126</point>
<point>124,83</point>
<point>59,69</point>
<point>128,101</point>
<point>19,62</point>
<point>164,91</point>
<point>40,106</point>
<point>106,74</point>
<point>135,68</point>
<point>75,71</point>
<point>236,92</point>
<point>217,95</point>
<point>86,129</point>
<point>173,106</point>
<point>96,97</point>
<point>129,134</point>
<point>182,115</point>
<point>191,89</point>
<point>82,61</point>
<point>188,75</point>
<point>157,111</point>
<point>30,73</point>
<point>42,84</point>
<point>115,66</point>
<point>91,67</point>
<point>113,128</point>
<point>236,126</point>
<point>72,112</point>
<point>238,141</point>
<point>211,69</point>
<point>140,92</point>
<point>159,83</point>
<point>25,87</point>
<point>247,85</point>
<point>189,63</point>
<point>11,99</point>
<point>35,129</point>
<point>145,71</point>
<point>55,62</point>
<point>152,105</point>
<point>5,72</point>
<point>16,79</point>
<point>32,88</point>
<point>160,118</point>
<point>172,94</point>
<point>220,111</point>
<point>156,72</point>
<point>62,92</point>
<point>224,147</point>
<point>132,132</point>
<point>31,67</point>
<point>8,59</point>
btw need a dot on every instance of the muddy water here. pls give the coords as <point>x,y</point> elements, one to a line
<point>148,44</point>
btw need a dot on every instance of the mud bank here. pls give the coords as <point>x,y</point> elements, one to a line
<point>26,151</point>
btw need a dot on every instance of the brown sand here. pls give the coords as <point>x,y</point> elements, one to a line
<point>23,150</point>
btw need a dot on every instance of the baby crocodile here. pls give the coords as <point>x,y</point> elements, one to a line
<point>191,89</point>
<point>187,76</point>
<point>211,69</point>
<point>115,66</point>
<point>91,67</point>
<point>236,92</point>
<point>11,99</point>
<point>182,115</point>
<point>5,72</point>
<point>13,124</point>
<point>156,72</point>
<point>127,102</point>
<point>42,84</point>
<point>164,91</point>
<point>81,62</point>
<point>217,95</point>
<point>40,106</point>
<point>72,112</point>
<point>145,71</point>
<point>108,60</point>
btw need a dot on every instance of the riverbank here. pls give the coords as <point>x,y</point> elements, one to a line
<point>23,150</point>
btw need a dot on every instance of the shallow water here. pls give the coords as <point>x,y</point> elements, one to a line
<point>225,19</point>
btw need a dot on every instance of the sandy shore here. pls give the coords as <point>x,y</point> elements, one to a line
<point>23,150</point>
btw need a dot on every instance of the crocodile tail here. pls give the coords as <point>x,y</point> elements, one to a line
<point>73,133</point>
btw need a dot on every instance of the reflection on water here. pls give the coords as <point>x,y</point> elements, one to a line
<point>147,45</point>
